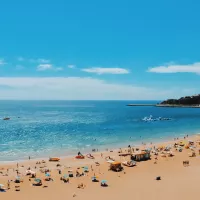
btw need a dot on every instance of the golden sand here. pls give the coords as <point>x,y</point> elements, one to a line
<point>138,183</point>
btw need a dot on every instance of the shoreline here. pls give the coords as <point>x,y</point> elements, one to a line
<point>177,106</point>
<point>158,141</point>
<point>164,105</point>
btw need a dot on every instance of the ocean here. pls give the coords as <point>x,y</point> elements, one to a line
<point>61,128</point>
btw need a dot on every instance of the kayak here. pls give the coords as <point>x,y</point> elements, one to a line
<point>54,159</point>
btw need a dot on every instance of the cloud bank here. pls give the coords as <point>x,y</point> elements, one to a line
<point>190,68</point>
<point>77,88</point>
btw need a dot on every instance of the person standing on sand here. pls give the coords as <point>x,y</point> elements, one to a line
<point>8,184</point>
<point>156,160</point>
<point>29,157</point>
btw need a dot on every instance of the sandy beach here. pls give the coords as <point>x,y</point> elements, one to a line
<point>138,182</point>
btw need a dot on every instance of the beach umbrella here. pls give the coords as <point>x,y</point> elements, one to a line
<point>66,176</point>
<point>47,174</point>
<point>104,181</point>
<point>148,149</point>
<point>86,169</point>
<point>192,148</point>
<point>37,180</point>
<point>94,177</point>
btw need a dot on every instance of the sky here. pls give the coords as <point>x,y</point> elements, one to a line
<point>99,50</point>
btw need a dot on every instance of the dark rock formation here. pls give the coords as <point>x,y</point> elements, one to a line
<point>188,100</point>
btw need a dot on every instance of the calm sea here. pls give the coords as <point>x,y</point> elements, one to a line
<point>61,128</point>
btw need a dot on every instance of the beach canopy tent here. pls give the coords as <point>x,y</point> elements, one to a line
<point>30,172</point>
<point>116,166</point>
<point>141,156</point>
<point>2,189</point>
<point>110,161</point>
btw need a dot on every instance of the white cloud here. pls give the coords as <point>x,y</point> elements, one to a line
<point>76,88</point>
<point>101,70</point>
<point>174,68</point>
<point>2,62</point>
<point>44,67</point>
<point>71,66</point>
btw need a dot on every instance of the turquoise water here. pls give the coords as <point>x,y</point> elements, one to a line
<point>60,128</point>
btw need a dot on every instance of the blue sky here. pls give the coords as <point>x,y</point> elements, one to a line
<point>99,49</point>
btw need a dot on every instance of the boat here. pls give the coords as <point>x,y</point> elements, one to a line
<point>54,159</point>
<point>150,119</point>
<point>90,156</point>
<point>80,157</point>
<point>108,158</point>
<point>6,118</point>
<point>129,163</point>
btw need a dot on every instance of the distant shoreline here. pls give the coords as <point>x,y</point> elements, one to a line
<point>167,105</point>
<point>177,106</point>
